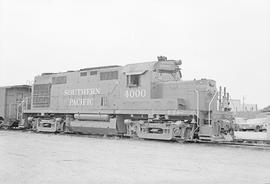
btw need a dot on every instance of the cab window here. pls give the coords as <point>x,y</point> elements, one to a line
<point>133,80</point>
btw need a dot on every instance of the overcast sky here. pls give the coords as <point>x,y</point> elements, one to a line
<point>228,41</point>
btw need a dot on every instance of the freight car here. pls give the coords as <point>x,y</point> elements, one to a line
<point>147,100</point>
<point>12,99</point>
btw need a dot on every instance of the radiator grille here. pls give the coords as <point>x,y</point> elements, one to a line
<point>41,95</point>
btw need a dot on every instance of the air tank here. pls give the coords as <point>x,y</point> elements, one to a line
<point>92,117</point>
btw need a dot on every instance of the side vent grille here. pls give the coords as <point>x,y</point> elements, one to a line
<point>59,80</point>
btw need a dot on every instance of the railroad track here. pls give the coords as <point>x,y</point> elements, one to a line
<point>238,143</point>
<point>246,144</point>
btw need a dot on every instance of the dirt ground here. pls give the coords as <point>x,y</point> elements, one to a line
<point>250,135</point>
<point>27,157</point>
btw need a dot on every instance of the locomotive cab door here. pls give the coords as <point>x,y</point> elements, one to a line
<point>137,85</point>
<point>135,89</point>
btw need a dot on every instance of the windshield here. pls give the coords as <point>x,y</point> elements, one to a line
<point>167,76</point>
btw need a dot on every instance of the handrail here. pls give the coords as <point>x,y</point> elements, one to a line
<point>18,106</point>
<point>197,112</point>
<point>210,106</point>
<point>21,104</point>
<point>198,102</point>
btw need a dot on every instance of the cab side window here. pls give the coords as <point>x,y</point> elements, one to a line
<point>133,80</point>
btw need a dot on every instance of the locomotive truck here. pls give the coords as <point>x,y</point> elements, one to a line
<point>147,100</point>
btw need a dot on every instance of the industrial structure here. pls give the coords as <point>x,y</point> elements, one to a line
<point>237,106</point>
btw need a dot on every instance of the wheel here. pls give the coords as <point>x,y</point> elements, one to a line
<point>176,132</point>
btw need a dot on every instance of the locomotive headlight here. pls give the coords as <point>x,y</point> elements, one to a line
<point>178,62</point>
<point>58,119</point>
<point>30,119</point>
<point>211,92</point>
<point>212,83</point>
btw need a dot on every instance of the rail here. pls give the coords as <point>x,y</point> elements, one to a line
<point>23,105</point>
<point>209,108</point>
<point>197,111</point>
<point>198,102</point>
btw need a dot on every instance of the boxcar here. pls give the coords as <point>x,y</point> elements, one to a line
<point>11,101</point>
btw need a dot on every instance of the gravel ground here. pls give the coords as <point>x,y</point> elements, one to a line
<point>27,157</point>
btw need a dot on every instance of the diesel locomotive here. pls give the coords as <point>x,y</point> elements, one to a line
<point>146,100</point>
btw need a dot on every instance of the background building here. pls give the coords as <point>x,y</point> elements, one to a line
<point>236,105</point>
